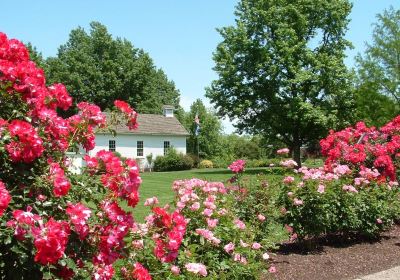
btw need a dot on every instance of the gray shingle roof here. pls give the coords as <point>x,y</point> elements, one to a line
<point>151,124</point>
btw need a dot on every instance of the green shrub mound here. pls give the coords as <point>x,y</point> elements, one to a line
<point>173,161</point>
<point>206,164</point>
<point>367,210</point>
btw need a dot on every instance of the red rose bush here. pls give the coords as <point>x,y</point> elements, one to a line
<point>54,224</point>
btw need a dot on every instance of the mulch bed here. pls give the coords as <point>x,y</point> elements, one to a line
<point>334,259</point>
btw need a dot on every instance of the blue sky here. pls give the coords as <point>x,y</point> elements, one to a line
<point>179,35</point>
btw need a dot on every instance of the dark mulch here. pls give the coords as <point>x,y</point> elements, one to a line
<point>335,259</point>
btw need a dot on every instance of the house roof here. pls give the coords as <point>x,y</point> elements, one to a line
<point>151,124</point>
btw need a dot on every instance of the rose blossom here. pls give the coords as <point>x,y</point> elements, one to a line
<point>207,212</point>
<point>5,198</point>
<point>196,268</point>
<point>229,247</point>
<point>261,217</point>
<point>297,202</point>
<point>239,224</point>
<point>237,166</point>
<point>272,269</point>
<point>175,270</point>
<point>288,180</point>
<point>283,151</point>
<point>151,201</point>
<point>288,163</point>
<point>212,223</point>
<point>195,206</point>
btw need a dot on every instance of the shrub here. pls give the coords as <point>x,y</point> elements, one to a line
<point>206,164</point>
<point>216,237</point>
<point>196,160</point>
<point>173,161</point>
<point>53,224</point>
<point>218,243</point>
<point>221,162</point>
<point>327,203</point>
<point>361,147</point>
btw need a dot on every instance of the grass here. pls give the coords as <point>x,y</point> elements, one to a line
<point>160,184</point>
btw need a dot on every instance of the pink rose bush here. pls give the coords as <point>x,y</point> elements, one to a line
<point>237,166</point>
<point>217,242</point>
<point>56,225</point>
<point>283,151</point>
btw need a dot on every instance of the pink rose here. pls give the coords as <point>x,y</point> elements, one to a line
<point>207,212</point>
<point>261,217</point>
<point>151,201</point>
<point>175,270</point>
<point>212,223</point>
<point>229,247</point>
<point>196,268</point>
<point>288,180</point>
<point>272,269</point>
<point>297,202</point>
<point>195,206</point>
<point>239,224</point>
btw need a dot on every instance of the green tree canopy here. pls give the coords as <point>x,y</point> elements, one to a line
<point>281,70</point>
<point>36,56</point>
<point>378,71</point>
<point>97,68</point>
<point>374,108</point>
<point>210,131</point>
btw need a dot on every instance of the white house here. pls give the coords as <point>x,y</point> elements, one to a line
<point>155,135</point>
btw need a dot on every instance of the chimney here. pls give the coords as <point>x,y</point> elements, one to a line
<point>168,111</point>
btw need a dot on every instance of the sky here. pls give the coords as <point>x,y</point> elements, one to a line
<point>179,35</point>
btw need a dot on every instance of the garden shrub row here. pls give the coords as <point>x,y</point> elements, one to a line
<point>173,161</point>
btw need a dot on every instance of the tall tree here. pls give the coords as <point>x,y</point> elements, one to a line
<point>374,108</point>
<point>281,70</point>
<point>209,134</point>
<point>378,71</point>
<point>36,56</point>
<point>97,68</point>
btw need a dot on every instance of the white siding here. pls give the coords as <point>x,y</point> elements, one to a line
<point>76,162</point>
<point>125,144</point>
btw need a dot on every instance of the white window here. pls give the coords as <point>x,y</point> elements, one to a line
<point>166,147</point>
<point>111,145</point>
<point>139,146</point>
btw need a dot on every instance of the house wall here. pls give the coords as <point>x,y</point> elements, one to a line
<point>76,162</point>
<point>126,145</point>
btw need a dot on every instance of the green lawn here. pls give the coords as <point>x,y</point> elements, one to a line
<point>160,183</point>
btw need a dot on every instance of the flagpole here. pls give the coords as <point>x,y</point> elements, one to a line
<point>197,132</point>
<point>198,147</point>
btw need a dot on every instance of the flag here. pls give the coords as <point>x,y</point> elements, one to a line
<point>197,122</point>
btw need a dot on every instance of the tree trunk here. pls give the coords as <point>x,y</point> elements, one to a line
<point>296,154</point>
<point>296,148</point>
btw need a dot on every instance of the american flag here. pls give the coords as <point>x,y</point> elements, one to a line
<point>197,122</point>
